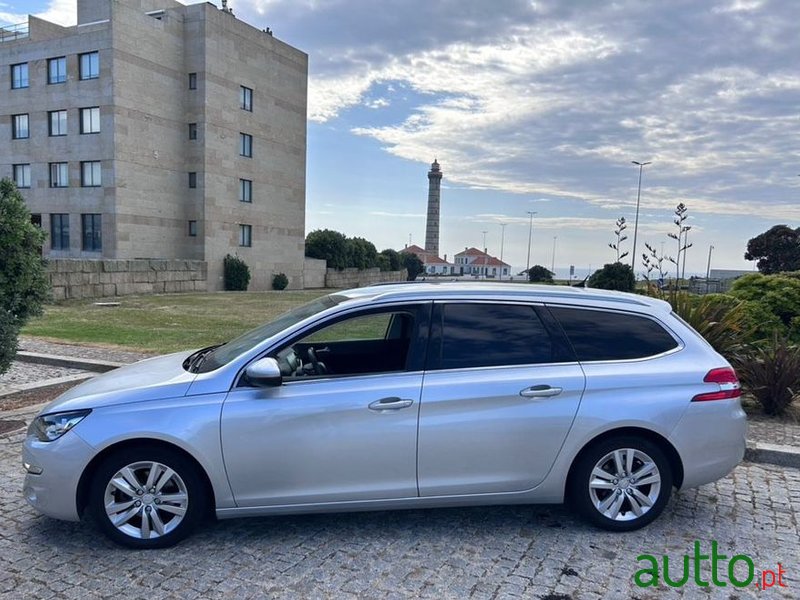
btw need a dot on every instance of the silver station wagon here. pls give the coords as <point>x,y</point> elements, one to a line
<point>396,397</point>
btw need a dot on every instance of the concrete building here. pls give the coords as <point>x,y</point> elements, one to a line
<point>434,202</point>
<point>157,130</point>
<point>479,263</point>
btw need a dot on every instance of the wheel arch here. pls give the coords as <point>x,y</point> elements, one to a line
<point>85,481</point>
<point>674,459</point>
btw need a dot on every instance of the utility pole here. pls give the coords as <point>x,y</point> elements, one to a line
<point>708,266</point>
<point>502,244</point>
<point>553,262</point>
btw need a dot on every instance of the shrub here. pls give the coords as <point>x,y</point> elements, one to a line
<point>328,245</point>
<point>361,253</point>
<point>389,260</point>
<point>777,296</point>
<point>280,281</point>
<point>614,276</point>
<point>237,274</point>
<point>539,274</point>
<point>770,371</point>
<point>23,281</point>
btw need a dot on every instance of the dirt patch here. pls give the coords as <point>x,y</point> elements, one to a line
<point>31,397</point>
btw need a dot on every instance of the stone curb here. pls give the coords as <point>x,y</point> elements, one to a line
<point>773,454</point>
<point>55,360</point>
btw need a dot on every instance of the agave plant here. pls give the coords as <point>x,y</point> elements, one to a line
<point>721,320</point>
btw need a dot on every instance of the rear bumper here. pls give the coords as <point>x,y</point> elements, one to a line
<point>710,439</point>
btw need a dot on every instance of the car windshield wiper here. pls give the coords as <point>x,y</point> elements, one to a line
<point>192,364</point>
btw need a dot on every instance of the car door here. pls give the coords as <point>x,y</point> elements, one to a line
<point>500,395</point>
<point>346,435</point>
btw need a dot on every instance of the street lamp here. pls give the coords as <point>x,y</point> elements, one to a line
<point>553,263</point>
<point>708,267</point>
<point>641,166</point>
<point>530,234</point>
<point>502,243</point>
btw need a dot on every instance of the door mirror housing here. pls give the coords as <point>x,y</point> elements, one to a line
<point>264,372</point>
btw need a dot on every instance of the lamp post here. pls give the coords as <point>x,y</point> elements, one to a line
<point>502,244</point>
<point>708,267</point>
<point>553,262</point>
<point>641,166</point>
<point>485,268</point>
<point>530,236</point>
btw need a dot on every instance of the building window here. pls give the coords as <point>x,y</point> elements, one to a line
<point>192,131</point>
<point>192,228</point>
<point>90,65</point>
<point>19,76</point>
<point>192,81</point>
<point>59,175</point>
<point>22,175</point>
<point>92,234</point>
<point>246,145</point>
<point>59,231</point>
<point>91,174</point>
<point>192,179</point>
<point>246,235</point>
<point>246,98</point>
<point>20,127</point>
<point>58,122</point>
<point>90,120</point>
<point>57,69</point>
<point>245,190</point>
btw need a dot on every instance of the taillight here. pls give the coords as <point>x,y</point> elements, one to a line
<point>728,383</point>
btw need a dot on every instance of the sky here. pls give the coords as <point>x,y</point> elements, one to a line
<point>541,105</point>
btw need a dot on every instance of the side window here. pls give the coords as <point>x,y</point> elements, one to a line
<point>603,335</point>
<point>487,335</point>
<point>363,344</point>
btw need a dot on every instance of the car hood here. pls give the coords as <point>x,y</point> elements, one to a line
<point>150,379</point>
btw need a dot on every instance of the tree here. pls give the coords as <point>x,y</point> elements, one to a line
<point>361,254</point>
<point>614,276</point>
<point>390,259</point>
<point>777,249</point>
<point>540,274</point>
<point>412,263</point>
<point>23,281</point>
<point>327,245</point>
<point>621,226</point>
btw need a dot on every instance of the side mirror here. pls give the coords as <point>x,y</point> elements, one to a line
<point>264,372</point>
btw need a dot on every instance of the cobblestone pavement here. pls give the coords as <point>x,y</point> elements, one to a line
<point>493,552</point>
<point>24,373</point>
<point>93,352</point>
<point>773,431</point>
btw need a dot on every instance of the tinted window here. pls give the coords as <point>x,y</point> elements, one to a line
<point>485,335</point>
<point>601,335</point>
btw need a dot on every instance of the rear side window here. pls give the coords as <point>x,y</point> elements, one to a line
<point>602,335</point>
<point>487,335</point>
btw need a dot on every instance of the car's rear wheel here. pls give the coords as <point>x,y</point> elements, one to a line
<point>147,497</point>
<point>621,483</point>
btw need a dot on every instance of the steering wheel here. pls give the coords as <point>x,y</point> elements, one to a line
<point>319,367</point>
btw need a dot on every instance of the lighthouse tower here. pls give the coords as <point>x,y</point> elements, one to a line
<point>434,196</point>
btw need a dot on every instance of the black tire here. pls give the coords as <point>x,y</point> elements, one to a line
<point>178,505</point>
<point>597,504</point>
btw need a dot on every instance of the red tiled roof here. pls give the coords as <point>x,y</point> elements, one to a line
<point>488,261</point>
<point>414,249</point>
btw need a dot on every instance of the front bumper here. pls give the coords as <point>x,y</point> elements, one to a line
<point>53,472</point>
<point>711,439</point>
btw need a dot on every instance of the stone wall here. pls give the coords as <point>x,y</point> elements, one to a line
<point>106,278</point>
<point>353,278</point>
<point>314,271</point>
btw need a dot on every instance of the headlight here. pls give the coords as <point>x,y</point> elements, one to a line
<point>48,428</point>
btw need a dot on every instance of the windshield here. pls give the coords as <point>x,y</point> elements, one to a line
<point>247,341</point>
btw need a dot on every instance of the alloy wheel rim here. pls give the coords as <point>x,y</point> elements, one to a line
<point>146,500</point>
<point>624,484</point>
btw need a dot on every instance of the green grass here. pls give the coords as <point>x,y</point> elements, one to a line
<point>164,322</point>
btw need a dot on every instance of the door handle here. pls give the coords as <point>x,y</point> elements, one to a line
<point>540,391</point>
<point>392,403</point>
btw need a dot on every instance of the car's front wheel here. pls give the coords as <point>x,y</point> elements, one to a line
<point>621,483</point>
<point>147,497</point>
